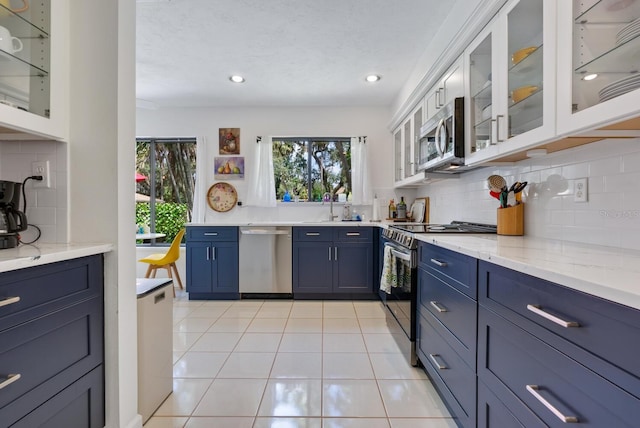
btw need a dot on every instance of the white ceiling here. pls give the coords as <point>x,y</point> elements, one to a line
<point>291,52</point>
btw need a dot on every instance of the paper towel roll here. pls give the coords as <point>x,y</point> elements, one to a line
<point>376,209</point>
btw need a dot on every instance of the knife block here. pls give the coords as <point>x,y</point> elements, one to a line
<point>511,220</point>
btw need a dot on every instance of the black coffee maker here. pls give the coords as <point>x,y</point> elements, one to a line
<point>12,220</point>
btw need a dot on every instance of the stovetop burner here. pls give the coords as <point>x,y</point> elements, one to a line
<point>453,227</point>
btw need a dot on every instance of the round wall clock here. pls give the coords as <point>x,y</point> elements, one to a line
<point>222,197</point>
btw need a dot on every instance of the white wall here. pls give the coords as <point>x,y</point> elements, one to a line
<point>46,208</point>
<point>611,216</point>
<point>315,122</point>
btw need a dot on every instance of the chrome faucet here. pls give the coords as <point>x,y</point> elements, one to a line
<point>331,215</point>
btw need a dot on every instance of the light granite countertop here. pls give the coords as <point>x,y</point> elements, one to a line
<point>606,272</point>
<point>25,256</point>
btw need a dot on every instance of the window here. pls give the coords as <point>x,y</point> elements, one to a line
<point>165,181</point>
<point>307,168</point>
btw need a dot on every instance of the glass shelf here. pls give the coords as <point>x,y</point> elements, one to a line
<point>526,114</point>
<point>12,66</point>
<point>484,93</point>
<point>624,58</point>
<point>610,11</point>
<point>526,72</point>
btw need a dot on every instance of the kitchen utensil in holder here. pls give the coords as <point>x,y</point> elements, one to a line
<point>511,220</point>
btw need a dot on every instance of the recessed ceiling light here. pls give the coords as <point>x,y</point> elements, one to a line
<point>236,79</point>
<point>372,78</point>
<point>590,76</point>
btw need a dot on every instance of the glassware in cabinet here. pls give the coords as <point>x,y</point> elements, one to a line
<point>25,58</point>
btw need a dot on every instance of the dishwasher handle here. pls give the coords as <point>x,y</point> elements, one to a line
<point>263,232</point>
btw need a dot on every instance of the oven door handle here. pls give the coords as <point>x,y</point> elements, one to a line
<point>399,254</point>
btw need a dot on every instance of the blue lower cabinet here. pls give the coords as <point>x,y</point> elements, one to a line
<point>492,413</point>
<point>535,380</point>
<point>333,262</point>
<point>212,263</point>
<point>450,374</point>
<point>55,346</point>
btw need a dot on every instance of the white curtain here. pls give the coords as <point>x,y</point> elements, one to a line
<point>200,190</point>
<point>262,189</point>
<point>360,172</point>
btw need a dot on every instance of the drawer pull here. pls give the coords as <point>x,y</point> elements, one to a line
<point>434,360</point>
<point>312,233</point>
<point>566,324</point>
<point>211,234</point>
<point>9,380</point>
<point>438,306</point>
<point>353,233</point>
<point>533,390</point>
<point>9,301</point>
<point>438,263</point>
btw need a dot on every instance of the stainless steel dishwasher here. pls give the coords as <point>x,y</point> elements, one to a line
<point>265,261</point>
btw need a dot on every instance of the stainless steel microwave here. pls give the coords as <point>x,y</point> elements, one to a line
<point>441,145</point>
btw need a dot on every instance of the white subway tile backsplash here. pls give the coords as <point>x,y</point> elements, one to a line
<point>610,217</point>
<point>46,208</point>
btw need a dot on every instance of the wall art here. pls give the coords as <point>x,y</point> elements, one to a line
<point>229,141</point>
<point>229,168</point>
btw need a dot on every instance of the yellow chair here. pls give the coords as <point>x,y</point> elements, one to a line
<point>166,261</point>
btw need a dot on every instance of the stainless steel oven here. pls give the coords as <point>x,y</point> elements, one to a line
<point>400,255</point>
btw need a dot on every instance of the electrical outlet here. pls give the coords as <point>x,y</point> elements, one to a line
<point>580,190</point>
<point>41,168</point>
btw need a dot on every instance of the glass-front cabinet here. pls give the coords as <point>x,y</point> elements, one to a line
<point>27,67</point>
<point>406,145</point>
<point>598,62</point>
<point>511,81</point>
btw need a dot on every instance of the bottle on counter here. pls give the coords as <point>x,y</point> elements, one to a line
<point>402,208</point>
<point>392,209</point>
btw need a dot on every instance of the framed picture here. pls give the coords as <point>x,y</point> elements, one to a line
<point>229,141</point>
<point>229,168</point>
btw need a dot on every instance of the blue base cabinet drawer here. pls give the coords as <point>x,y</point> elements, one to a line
<point>492,413</point>
<point>523,370</point>
<point>211,233</point>
<point>458,270</point>
<point>454,312</point>
<point>453,378</point>
<point>81,404</point>
<point>600,334</point>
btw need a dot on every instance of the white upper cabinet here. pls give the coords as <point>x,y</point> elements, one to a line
<point>598,63</point>
<point>510,81</point>
<point>34,69</point>
<point>446,90</point>
<point>406,145</point>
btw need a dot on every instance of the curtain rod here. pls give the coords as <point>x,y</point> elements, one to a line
<point>362,139</point>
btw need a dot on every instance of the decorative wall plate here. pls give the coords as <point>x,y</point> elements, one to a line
<point>222,197</point>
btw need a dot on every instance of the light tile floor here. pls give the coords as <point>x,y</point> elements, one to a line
<point>293,364</point>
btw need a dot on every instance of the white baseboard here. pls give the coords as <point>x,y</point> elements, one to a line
<point>136,422</point>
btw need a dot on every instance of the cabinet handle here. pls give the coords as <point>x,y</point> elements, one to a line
<point>441,97</point>
<point>353,233</point>
<point>533,390</point>
<point>9,301</point>
<point>566,324</point>
<point>313,234</point>
<point>438,306</point>
<point>498,128</point>
<point>329,253</point>
<point>158,298</point>
<point>9,380</point>
<point>434,360</point>
<point>211,234</point>
<point>213,253</point>
<point>438,263</point>
<point>208,253</point>
<point>335,254</point>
